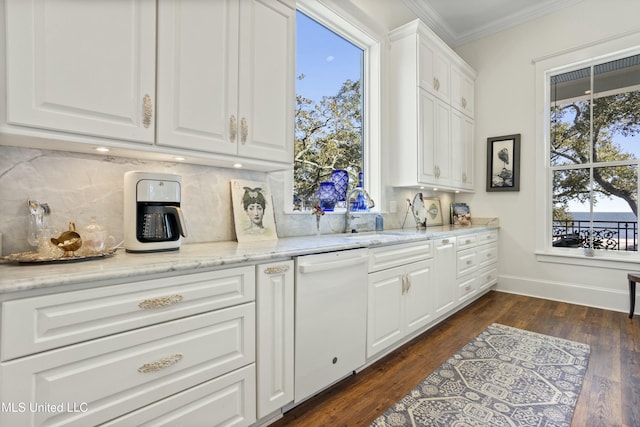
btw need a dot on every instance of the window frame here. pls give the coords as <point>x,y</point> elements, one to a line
<point>545,67</point>
<point>350,27</point>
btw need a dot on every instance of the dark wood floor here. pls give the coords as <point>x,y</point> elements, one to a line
<point>610,392</point>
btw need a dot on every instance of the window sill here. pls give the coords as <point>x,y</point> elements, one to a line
<point>617,260</point>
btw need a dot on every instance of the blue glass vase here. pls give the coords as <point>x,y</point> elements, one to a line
<point>340,179</point>
<point>327,195</point>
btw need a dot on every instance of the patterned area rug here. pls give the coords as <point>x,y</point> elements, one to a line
<point>504,377</point>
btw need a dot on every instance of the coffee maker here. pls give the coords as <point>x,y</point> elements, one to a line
<point>153,219</point>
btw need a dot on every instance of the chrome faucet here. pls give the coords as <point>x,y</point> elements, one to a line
<point>348,217</point>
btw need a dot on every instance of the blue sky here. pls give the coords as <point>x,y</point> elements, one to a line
<point>325,58</point>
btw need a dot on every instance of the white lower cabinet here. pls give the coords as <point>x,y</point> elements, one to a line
<point>400,299</point>
<point>162,355</point>
<point>476,260</point>
<point>275,333</point>
<point>444,250</point>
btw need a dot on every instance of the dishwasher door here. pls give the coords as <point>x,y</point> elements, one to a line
<point>331,318</point>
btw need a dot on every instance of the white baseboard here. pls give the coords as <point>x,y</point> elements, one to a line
<point>607,299</point>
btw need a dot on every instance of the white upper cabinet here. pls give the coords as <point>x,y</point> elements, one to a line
<point>225,77</point>
<point>431,114</point>
<point>81,73</point>
<point>198,74</point>
<point>84,67</point>
<point>434,69</point>
<point>462,91</point>
<point>462,131</point>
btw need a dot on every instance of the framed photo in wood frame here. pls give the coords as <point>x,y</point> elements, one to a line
<point>503,163</point>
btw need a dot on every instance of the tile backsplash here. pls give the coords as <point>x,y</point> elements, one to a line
<point>78,187</point>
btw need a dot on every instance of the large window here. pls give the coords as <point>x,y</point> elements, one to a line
<point>329,131</point>
<point>338,90</point>
<point>594,150</point>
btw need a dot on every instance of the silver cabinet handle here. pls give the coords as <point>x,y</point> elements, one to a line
<point>278,269</point>
<point>147,111</point>
<point>244,129</point>
<point>233,128</point>
<point>405,287</point>
<point>159,364</point>
<point>160,302</point>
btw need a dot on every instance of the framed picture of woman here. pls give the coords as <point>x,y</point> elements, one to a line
<point>253,211</point>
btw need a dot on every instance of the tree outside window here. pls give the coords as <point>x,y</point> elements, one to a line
<point>329,109</point>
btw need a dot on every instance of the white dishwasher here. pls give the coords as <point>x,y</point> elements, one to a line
<point>331,318</point>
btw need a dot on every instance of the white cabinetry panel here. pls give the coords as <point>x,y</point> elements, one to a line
<point>82,67</point>
<point>275,335</point>
<point>225,77</point>
<point>123,372</point>
<point>51,321</point>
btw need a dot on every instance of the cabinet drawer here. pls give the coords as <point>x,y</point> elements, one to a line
<point>487,254</point>
<point>111,376</point>
<point>223,401</point>
<point>467,287</point>
<point>487,276</point>
<point>467,241</point>
<point>31,325</point>
<point>466,262</point>
<point>487,237</point>
<point>397,255</point>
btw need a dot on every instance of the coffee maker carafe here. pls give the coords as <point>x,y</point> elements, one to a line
<point>153,220</point>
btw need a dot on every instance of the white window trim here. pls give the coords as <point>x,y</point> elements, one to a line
<point>353,27</point>
<point>619,46</point>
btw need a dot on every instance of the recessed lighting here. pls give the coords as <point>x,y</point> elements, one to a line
<point>102,149</point>
<point>237,165</point>
<point>435,189</point>
<point>179,158</point>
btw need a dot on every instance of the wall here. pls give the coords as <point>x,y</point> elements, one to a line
<point>505,103</point>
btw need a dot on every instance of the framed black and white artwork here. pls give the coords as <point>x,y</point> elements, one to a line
<point>503,163</point>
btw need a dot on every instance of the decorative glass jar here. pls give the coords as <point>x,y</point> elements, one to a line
<point>327,195</point>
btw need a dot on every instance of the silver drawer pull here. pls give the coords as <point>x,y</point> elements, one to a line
<point>163,363</point>
<point>279,269</point>
<point>445,241</point>
<point>469,261</point>
<point>489,255</point>
<point>160,301</point>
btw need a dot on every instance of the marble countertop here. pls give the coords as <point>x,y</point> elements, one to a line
<point>129,266</point>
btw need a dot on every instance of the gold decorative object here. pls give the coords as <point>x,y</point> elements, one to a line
<point>69,241</point>
<point>160,302</point>
<point>163,363</point>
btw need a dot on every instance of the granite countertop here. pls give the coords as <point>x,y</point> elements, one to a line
<point>128,266</point>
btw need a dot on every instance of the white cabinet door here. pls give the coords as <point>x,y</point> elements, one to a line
<point>83,67</point>
<point>226,74</point>
<point>427,137</point>
<point>434,136</point>
<point>418,298</point>
<point>462,147</point>
<point>445,275</point>
<point>434,69</point>
<point>275,334</point>
<point>198,74</point>
<point>462,91</point>
<point>267,80</point>
<point>385,309</point>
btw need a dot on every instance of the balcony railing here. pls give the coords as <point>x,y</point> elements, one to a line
<point>609,235</point>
